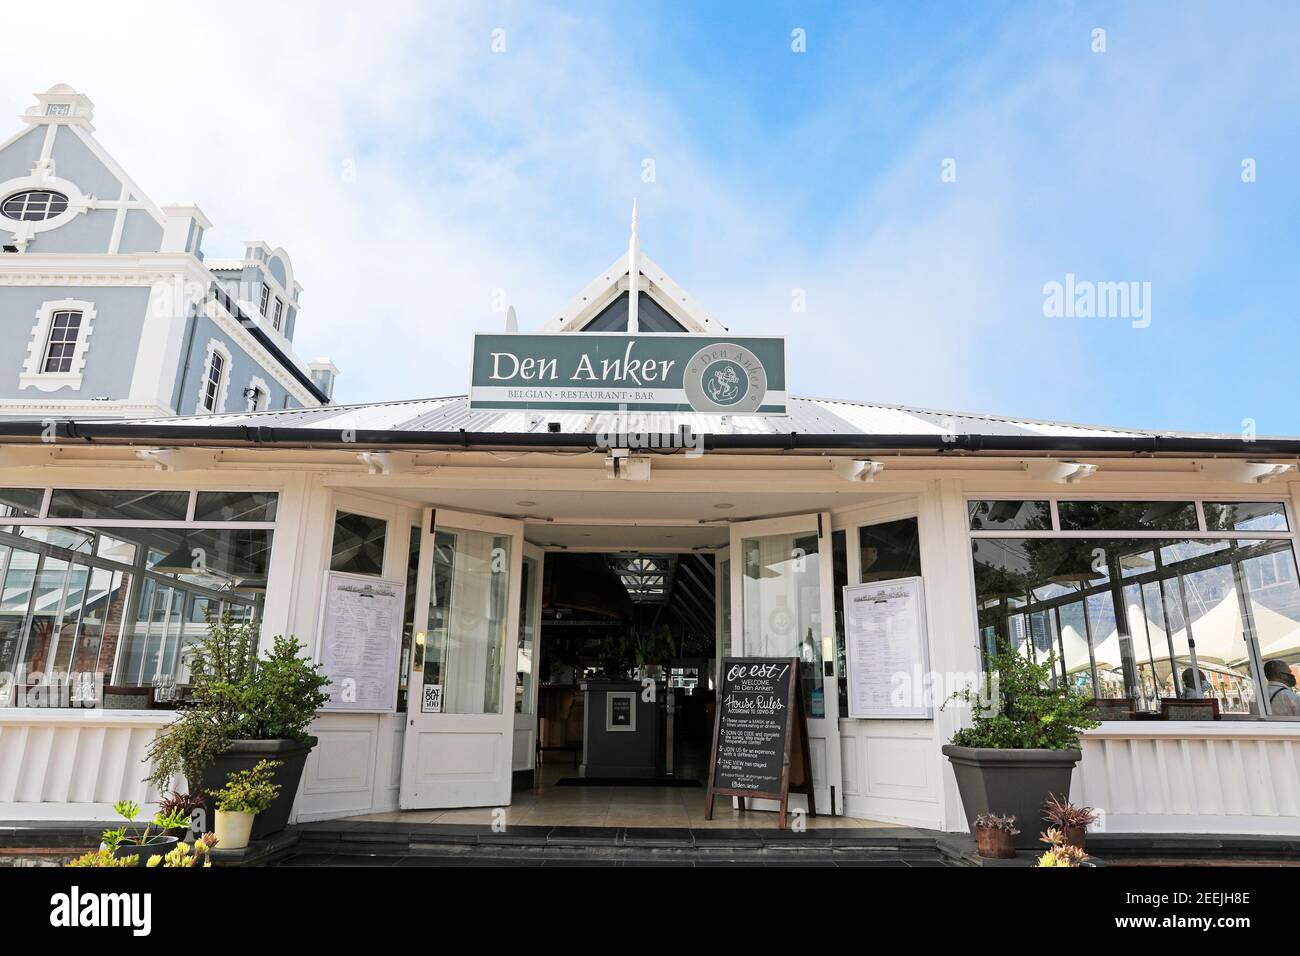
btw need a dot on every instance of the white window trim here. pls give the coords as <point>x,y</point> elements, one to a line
<point>264,390</point>
<point>215,346</point>
<point>31,375</point>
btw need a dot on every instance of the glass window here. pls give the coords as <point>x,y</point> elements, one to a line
<point>279,311</point>
<point>358,543</point>
<point>266,298</point>
<point>1127,515</point>
<point>21,502</point>
<point>468,609</point>
<point>526,670</point>
<point>889,550</point>
<point>781,607</point>
<point>65,328</point>
<point>1245,516</point>
<point>235,506</point>
<point>408,615</point>
<point>1147,619</point>
<point>212,381</point>
<point>34,205</point>
<point>110,609</point>
<point>126,505</point>
<point>1010,515</point>
<point>840,568</point>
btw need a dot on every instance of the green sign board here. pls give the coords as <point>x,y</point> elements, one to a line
<point>615,371</point>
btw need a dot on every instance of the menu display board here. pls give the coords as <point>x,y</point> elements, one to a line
<point>360,642</point>
<point>886,650</point>
<point>760,742</point>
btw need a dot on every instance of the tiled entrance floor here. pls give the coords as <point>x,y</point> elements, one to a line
<point>551,805</point>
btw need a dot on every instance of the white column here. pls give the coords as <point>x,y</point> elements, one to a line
<point>954,625</point>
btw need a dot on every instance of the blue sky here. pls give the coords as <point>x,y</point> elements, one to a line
<point>477,171</point>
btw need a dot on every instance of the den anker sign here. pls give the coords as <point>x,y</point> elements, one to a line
<point>612,371</point>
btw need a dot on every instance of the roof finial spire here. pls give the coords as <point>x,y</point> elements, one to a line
<point>633,274</point>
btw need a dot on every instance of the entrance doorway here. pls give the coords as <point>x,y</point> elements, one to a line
<point>571,665</point>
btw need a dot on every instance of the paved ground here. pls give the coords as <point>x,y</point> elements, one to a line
<point>551,805</point>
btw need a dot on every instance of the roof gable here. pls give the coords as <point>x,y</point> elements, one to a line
<point>634,271</point>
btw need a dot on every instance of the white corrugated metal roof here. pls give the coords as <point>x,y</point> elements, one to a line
<point>811,416</point>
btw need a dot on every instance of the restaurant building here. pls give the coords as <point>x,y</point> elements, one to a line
<point>637,474</point>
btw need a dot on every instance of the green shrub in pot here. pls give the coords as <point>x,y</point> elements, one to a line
<point>243,709</point>
<point>1023,740</point>
<point>245,794</point>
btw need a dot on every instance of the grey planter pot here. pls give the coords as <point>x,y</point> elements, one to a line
<point>157,846</point>
<point>244,755</point>
<point>1011,782</point>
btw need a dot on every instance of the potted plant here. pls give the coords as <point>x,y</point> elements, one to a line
<point>246,794</point>
<point>1071,821</point>
<point>243,710</point>
<point>177,805</point>
<point>187,855</point>
<point>1060,853</point>
<point>141,843</point>
<point>995,836</point>
<point>1023,740</point>
<point>103,858</point>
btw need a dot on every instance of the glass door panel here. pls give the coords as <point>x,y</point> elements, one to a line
<point>782,578</point>
<point>527,672</point>
<point>461,712</point>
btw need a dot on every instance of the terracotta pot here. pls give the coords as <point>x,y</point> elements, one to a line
<point>995,844</point>
<point>1074,836</point>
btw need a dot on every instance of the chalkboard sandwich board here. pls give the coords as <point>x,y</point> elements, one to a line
<point>760,739</point>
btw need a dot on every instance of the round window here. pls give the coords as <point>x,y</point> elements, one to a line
<point>34,205</point>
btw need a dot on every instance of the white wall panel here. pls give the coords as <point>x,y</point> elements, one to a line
<point>1220,777</point>
<point>74,764</point>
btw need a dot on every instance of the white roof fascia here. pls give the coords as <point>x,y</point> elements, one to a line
<point>601,291</point>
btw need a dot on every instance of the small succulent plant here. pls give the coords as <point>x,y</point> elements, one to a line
<point>995,821</point>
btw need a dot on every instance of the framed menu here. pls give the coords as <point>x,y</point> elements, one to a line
<point>360,642</point>
<point>886,650</point>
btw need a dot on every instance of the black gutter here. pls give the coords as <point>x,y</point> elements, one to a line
<point>268,343</point>
<point>155,433</point>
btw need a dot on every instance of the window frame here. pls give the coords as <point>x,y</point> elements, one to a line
<point>31,191</point>
<point>222,385</point>
<point>852,522</point>
<point>64,343</point>
<point>138,568</point>
<point>260,400</point>
<point>1200,533</point>
<point>33,374</point>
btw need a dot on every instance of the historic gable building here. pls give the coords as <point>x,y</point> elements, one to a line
<point>110,308</point>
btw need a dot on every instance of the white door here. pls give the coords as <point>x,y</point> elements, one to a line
<point>460,715</point>
<point>782,599</point>
<point>527,672</point>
